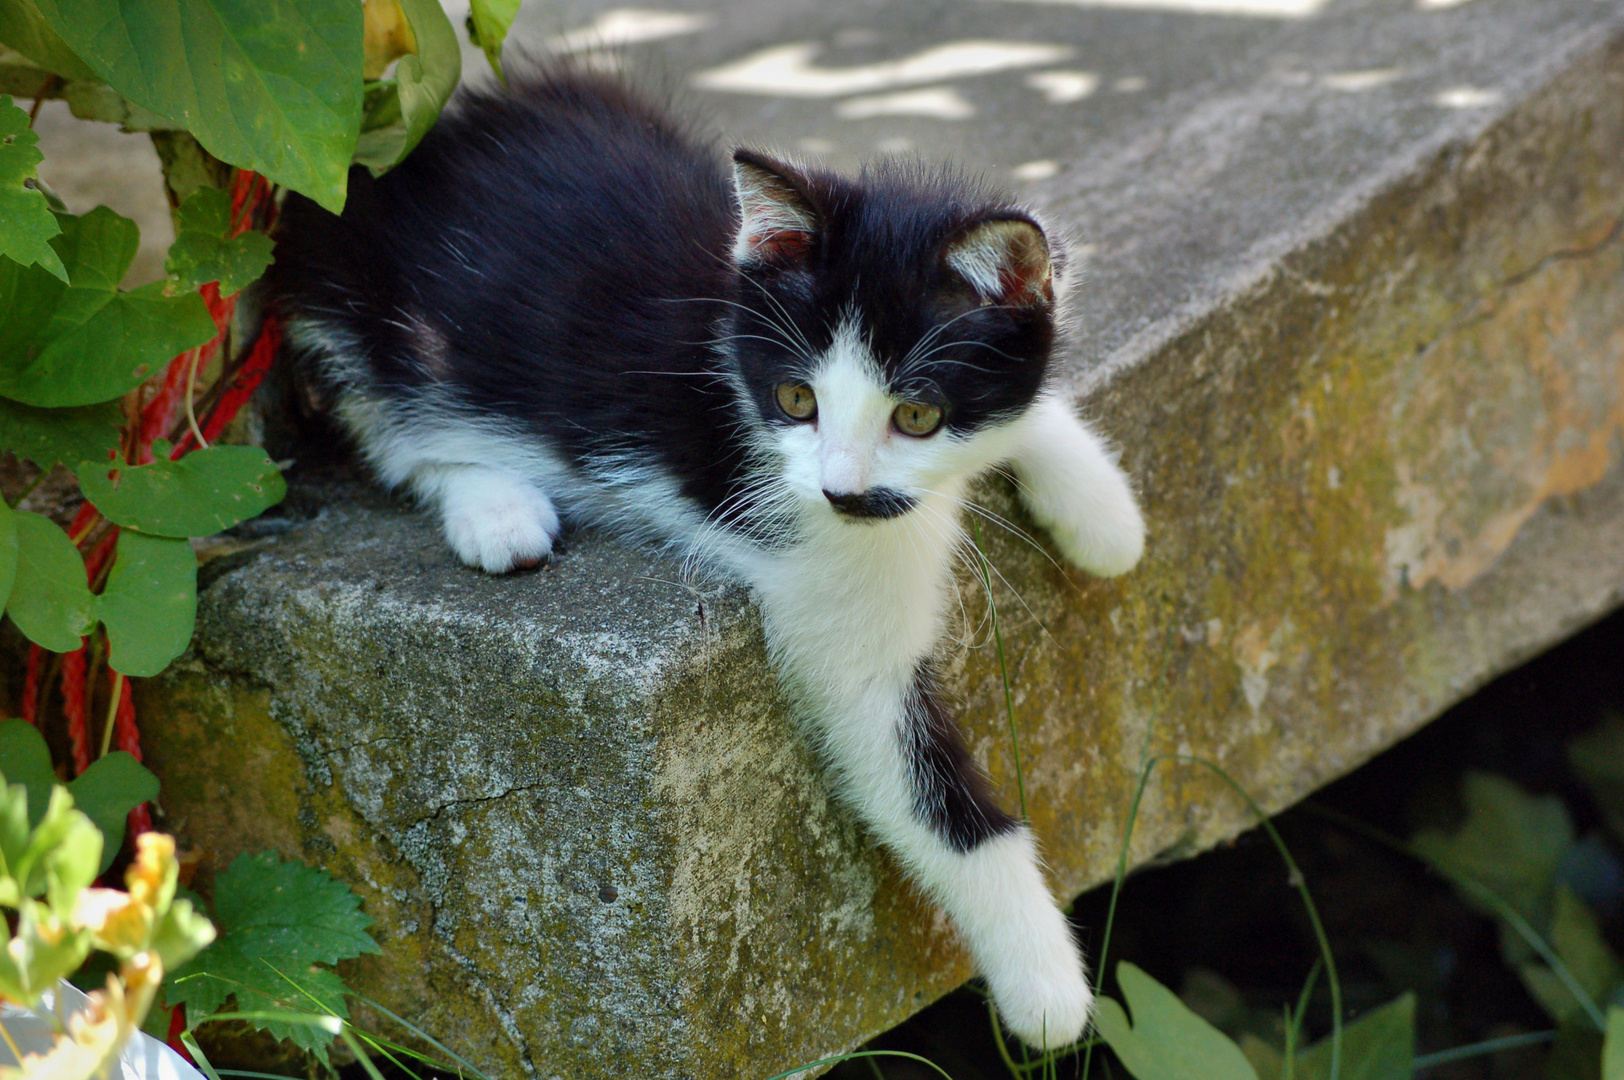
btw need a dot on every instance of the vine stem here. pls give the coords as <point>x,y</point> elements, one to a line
<point>112,712</point>
<point>191,389</point>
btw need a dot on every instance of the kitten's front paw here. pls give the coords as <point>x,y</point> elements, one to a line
<point>1104,537</point>
<point>1048,1004</point>
<point>499,526</point>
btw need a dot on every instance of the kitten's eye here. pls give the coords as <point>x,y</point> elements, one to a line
<point>917,418</point>
<point>797,401</point>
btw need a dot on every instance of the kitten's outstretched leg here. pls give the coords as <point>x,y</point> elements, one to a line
<point>494,520</point>
<point>1076,491</point>
<point>905,766</point>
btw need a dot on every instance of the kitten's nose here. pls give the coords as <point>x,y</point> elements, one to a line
<point>850,503</point>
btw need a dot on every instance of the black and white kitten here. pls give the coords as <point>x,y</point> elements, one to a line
<point>561,308</point>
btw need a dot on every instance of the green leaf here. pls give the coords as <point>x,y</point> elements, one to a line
<point>59,853</point>
<point>290,913</point>
<point>106,792</point>
<point>37,957</point>
<point>85,342</point>
<point>26,760</point>
<point>1511,842</point>
<point>423,84</point>
<point>1378,1046</point>
<point>1598,757</point>
<point>26,221</point>
<point>277,921</point>
<point>150,602</point>
<point>50,598</point>
<point>49,436</point>
<point>488,22</point>
<point>1577,939</point>
<point>269,85</point>
<point>8,552</point>
<point>202,493</point>
<point>1577,1053</point>
<point>1612,1051</point>
<point>24,29</point>
<point>1166,1041</point>
<point>223,971</point>
<point>204,252</point>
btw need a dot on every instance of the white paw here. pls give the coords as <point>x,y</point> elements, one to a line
<point>1047,1004</point>
<point>499,525</point>
<point>1106,537</point>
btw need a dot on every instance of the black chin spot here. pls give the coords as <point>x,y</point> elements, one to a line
<point>872,505</point>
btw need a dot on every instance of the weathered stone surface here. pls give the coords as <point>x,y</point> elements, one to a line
<point>1367,364</point>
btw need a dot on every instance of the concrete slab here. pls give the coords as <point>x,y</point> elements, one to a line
<point>1354,311</point>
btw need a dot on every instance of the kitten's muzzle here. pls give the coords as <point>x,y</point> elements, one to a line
<point>872,505</point>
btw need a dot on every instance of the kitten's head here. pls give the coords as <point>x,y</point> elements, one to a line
<point>889,329</point>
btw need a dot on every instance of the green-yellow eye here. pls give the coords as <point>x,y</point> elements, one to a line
<point>917,418</point>
<point>797,400</point>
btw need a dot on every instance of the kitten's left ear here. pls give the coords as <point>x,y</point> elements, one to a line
<point>1005,260</point>
<point>776,220</point>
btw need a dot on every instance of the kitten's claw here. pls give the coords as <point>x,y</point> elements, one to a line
<point>498,525</point>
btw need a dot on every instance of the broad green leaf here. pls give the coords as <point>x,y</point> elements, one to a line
<point>1380,1045</point>
<point>150,602</point>
<point>422,85</point>
<point>290,913</point>
<point>1612,1051</point>
<point>269,85</point>
<point>114,351</point>
<point>1511,842</point>
<point>83,342</point>
<point>259,984</point>
<point>24,29</point>
<point>488,22</point>
<point>1598,757</point>
<point>50,598</point>
<point>1166,1040</point>
<point>49,436</point>
<point>106,792</point>
<point>8,551</point>
<point>203,252</point>
<point>26,221</point>
<point>202,493</point>
<point>1577,939</point>
<point>277,921</point>
<point>26,760</point>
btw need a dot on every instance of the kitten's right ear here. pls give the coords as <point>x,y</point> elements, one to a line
<point>776,220</point>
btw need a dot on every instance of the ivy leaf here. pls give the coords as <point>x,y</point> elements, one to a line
<point>278,920</point>
<point>26,221</point>
<point>106,792</point>
<point>423,84</point>
<point>202,493</point>
<point>1511,842</point>
<point>49,436</point>
<point>1380,1045</point>
<point>26,760</point>
<point>1577,939</point>
<point>50,599</point>
<point>150,602</point>
<point>24,29</point>
<point>268,85</point>
<point>204,252</point>
<point>1166,1041</point>
<point>488,23</point>
<point>83,341</point>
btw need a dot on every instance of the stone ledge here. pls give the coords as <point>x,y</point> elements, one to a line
<point>1380,462</point>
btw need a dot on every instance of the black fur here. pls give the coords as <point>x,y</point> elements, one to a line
<point>560,255</point>
<point>950,792</point>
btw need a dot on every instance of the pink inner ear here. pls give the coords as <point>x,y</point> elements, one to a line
<point>783,246</point>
